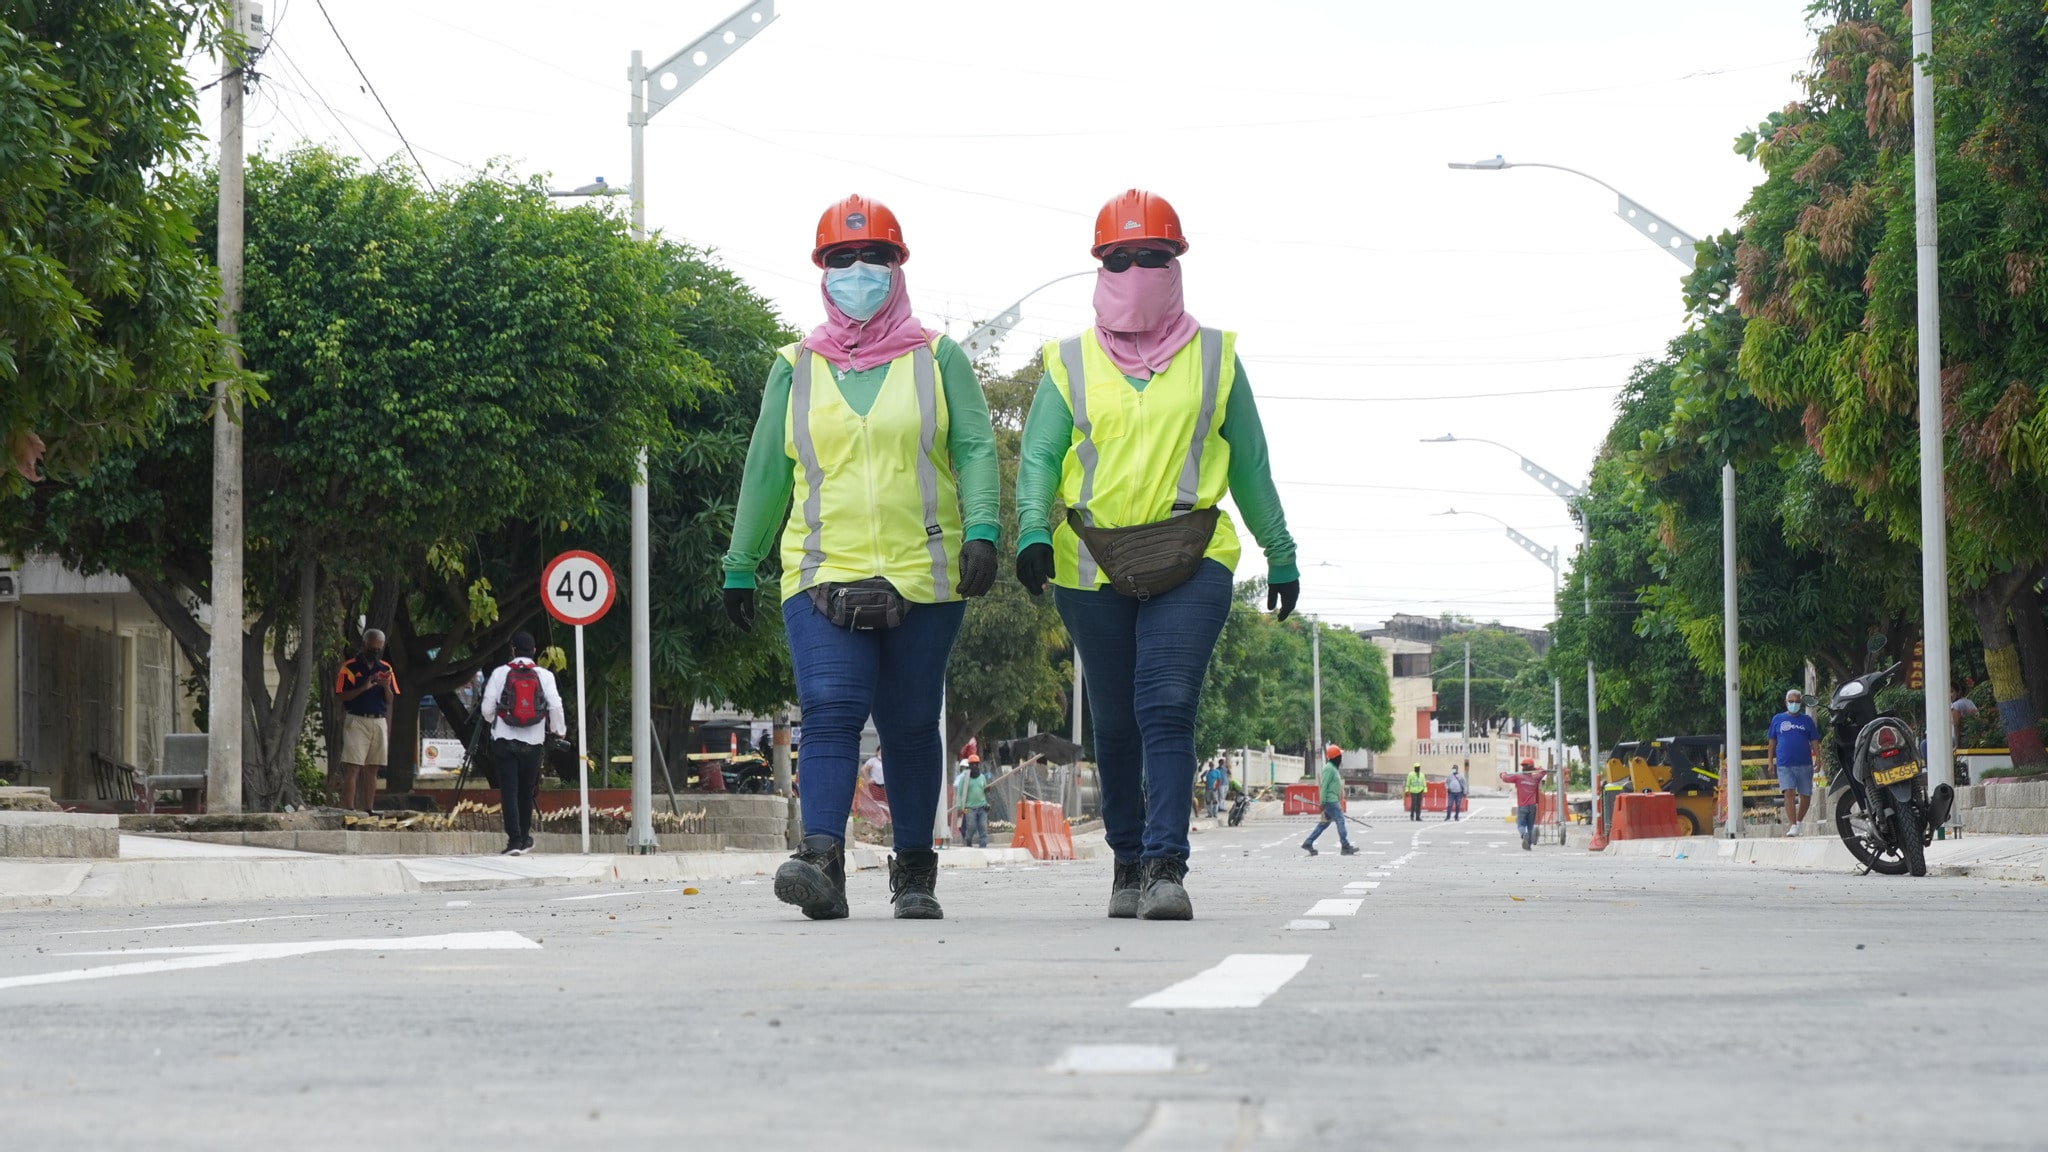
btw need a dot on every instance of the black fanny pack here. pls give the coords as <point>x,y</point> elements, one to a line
<point>1146,560</point>
<point>862,606</point>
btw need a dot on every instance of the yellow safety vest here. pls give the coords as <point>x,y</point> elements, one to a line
<point>1138,457</point>
<point>875,494</point>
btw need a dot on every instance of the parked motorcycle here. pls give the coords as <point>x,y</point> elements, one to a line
<point>1883,811</point>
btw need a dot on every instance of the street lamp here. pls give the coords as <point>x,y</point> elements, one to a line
<point>1680,244</point>
<point>652,90</point>
<point>1544,556</point>
<point>1574,497</point>
<point>986,337</point>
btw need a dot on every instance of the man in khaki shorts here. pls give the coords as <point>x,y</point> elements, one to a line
<point>365,686</point>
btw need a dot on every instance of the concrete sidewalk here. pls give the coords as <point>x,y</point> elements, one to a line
<point>1984,856</point>
<point>233,872</point>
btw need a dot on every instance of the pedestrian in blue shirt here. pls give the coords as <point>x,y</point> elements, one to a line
<point>1793,734</point>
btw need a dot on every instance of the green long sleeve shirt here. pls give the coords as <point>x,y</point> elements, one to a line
<point>1049,432</point>
<point>770,476</point>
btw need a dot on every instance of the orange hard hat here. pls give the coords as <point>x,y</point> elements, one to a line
<point>1135,214</point>
<point>859,220</point>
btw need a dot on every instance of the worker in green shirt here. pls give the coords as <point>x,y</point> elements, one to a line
<point>1141,425</point>
<point>1330,782</point>
<point>1415,788</point>
<point>874,461</point>
<point>974,808</point>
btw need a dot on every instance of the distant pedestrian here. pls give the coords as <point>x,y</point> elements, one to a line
<point>1528,790</point>
<point>1793,733</point>
<point>1454,795</point>
<point>1331,786</point>
<point>974,809</point>
<point>1415,787</point>
<point>365,685</point>
<point>523,707</point>
<point>1217,782</point>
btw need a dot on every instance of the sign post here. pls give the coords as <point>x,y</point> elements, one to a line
<point>578,588</point>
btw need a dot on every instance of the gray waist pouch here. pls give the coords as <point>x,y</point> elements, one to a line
<point>1146,560</point>
<point>862,606</point>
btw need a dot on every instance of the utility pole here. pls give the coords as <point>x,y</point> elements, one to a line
<point>1939,730</point>
<point>224,703</point>
<point>1315,647</point>
<point>1731,668</point>
<point>651,91</point>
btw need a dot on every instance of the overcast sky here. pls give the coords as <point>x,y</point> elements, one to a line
<point>1378,295</point>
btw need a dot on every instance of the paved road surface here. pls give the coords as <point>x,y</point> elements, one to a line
<point>1477,997</point>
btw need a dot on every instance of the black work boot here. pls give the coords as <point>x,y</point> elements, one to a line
<point>1160,895</point>
<point>913,874</point>
<point>1123,890</point>
<point>814,879</point>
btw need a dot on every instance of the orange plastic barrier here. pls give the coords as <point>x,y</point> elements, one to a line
<point>1043,831</point>
<point>1302,800</point>
<point>1434,798</point>
<point>1646,815</point>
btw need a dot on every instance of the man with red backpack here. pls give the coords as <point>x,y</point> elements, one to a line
<point>522,705</point>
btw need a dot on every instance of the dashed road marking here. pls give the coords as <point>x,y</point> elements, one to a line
<point>1242,980</point>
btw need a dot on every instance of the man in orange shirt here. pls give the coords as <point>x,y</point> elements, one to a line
<point>365,686</point>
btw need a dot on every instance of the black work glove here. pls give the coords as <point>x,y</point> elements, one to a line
<point>1034,568</point>
<point>977,568</point>
<point>739,608</point>
<point>1283,596</point>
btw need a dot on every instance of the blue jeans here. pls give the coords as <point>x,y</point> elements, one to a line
<point>974,827</point>
<point>1143,663</point>
<point>897,674</point>
<point>1332,814</point>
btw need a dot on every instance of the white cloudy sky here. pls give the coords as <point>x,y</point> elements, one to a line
<point>1375,291</point>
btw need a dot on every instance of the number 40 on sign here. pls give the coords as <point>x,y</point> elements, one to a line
<point>578,589</point>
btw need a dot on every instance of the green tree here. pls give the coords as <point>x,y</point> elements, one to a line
<point>106,308</point>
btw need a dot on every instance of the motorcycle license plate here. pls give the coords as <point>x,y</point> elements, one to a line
<point>1896,775</point>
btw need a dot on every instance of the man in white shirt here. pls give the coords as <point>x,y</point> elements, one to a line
<point>523,707</point>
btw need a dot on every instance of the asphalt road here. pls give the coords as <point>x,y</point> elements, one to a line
<point>1478,997</point>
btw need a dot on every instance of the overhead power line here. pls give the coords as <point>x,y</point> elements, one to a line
<point>372,89</point>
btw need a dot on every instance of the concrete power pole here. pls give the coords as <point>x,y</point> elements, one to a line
<point>224,704</point>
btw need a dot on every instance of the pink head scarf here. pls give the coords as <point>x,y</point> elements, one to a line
<point>1139,319</point>
<point>857,345</point>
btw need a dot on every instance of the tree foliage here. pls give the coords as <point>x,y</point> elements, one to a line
<point>106,307</point>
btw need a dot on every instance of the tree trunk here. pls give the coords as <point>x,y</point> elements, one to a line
<point>2030,636</point>
<point>2008,681</point>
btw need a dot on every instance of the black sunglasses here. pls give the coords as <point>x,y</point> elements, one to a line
<point>872,254</point>
<point>1122,258</point>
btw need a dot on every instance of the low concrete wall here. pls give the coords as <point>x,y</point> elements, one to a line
<point>59,835</point>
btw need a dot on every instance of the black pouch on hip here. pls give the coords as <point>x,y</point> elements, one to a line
<point>1146,560</point>
<point>861,606</point>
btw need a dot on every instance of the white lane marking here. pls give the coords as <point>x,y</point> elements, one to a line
<point>187,924</point>
<point>1242,980</point>
<point>216,955</point>
<point>610,895</point>
<point>1335,907</point>
<point>1361,885</point>
<point>1308,925</point>
<point>1096,1059</point>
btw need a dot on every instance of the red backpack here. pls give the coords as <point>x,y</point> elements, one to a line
<point>522,704</point>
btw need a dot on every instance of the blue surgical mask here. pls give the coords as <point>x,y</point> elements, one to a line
<point>1792,706</point>
<point>860,290</point>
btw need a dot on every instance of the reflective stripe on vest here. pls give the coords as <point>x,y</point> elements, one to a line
<point>1187,484</point>
<point>935,493</point>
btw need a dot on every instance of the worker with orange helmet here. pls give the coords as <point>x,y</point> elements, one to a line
<point>874,460</point>
<point>1141,424</point>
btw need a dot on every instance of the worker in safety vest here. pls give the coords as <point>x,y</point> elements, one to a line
<point>876,440</point>
<point>1140,425</point>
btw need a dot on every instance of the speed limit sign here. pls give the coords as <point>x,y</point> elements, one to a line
<point>578,588</point>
